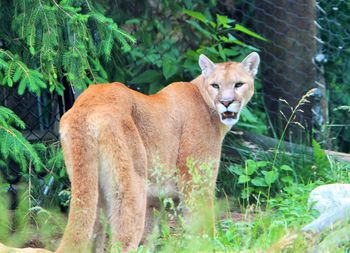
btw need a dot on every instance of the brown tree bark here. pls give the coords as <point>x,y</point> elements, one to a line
<point>287,65</point>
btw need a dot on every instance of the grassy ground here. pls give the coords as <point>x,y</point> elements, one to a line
<point>270,224</point>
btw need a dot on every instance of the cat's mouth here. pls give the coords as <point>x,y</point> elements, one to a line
<point>229,115</point>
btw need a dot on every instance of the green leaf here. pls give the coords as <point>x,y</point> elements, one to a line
<point>154,88</point>
<point>236,170</point>
<point>7,115</point>
<point>232,39</point>
<point>223,21</point>
<point>133,21</point>
<point>231,52</point>
<point>248,32</point>
<point>230,235</point>
<point>13,145</point>
<point>247,116</point>
<point>149,76</point>
<point>22,85</point>
<point>199,28</point>
<point>170,68</point>
<point>196,15</point>
<point>250,167</point>
<point>32,50</point>
<point>131,38</point>
<point>243,179</point>
<point>320,156</point>
<point>270,176</point>
<point>259,181</point>
<point>212,50</point>
<point>222,53</point>
<point>247,191</point>
<point>62,173</point>
<point>261,164</point>
<point>287,179</point>
<point>286,168</point>
<point>9,82</point>
<point>3,64</point>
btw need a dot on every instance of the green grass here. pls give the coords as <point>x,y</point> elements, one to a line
<point>256,229</point>
<point>262,225</point>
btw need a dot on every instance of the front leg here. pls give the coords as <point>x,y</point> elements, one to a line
<point>198,196</point>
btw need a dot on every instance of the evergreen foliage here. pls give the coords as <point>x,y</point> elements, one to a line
<point>47,41</point>
<point>14,70</point>
<point>43,44</point>
<point>47,44</point>
<point>13,145</point>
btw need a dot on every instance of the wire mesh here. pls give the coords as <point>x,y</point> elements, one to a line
<point>307,47</point>
<point>40,114</point>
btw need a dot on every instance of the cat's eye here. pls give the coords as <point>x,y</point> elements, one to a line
<point>239,84</point>
<point>215,85</point>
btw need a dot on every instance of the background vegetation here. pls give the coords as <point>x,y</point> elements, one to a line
<point>49,46</point>
<point>334,19</point>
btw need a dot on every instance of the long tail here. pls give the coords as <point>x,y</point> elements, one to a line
<point>80,152</point>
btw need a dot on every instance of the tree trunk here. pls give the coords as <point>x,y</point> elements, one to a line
<point>254,142</point>
<point>287,65</point>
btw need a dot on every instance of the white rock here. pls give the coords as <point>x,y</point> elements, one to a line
<point>329,196</point>
<point>332,201</point>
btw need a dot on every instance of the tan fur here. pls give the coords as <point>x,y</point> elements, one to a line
<point>112,137</point>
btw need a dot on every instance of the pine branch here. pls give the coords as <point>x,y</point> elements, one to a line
<point>14,70</point>
<point>13,145</point>
<point>50,40</point>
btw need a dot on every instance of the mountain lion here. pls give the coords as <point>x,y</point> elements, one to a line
<point>112,136</point>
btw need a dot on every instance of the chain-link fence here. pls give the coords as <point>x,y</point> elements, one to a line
<point>40,114</point>
<point>306,47</point>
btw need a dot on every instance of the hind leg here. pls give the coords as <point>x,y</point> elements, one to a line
<point>127,158</point>
<point>100,227</point>
<point>129,211</point>
<point>80,154</point>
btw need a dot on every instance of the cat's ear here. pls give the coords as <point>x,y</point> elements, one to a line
<point>207,66</point>
<point>251,63</point>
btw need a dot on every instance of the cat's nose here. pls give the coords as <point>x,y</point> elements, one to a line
<point>226,103</point>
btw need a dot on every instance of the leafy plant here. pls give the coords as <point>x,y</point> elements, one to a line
<point>25,224</point>
<point>220,44</point>
<point>169,50</point>
<point>257,178</point>
<point>217,39</point>
<point>291,204</point>
<point>272,172</point>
